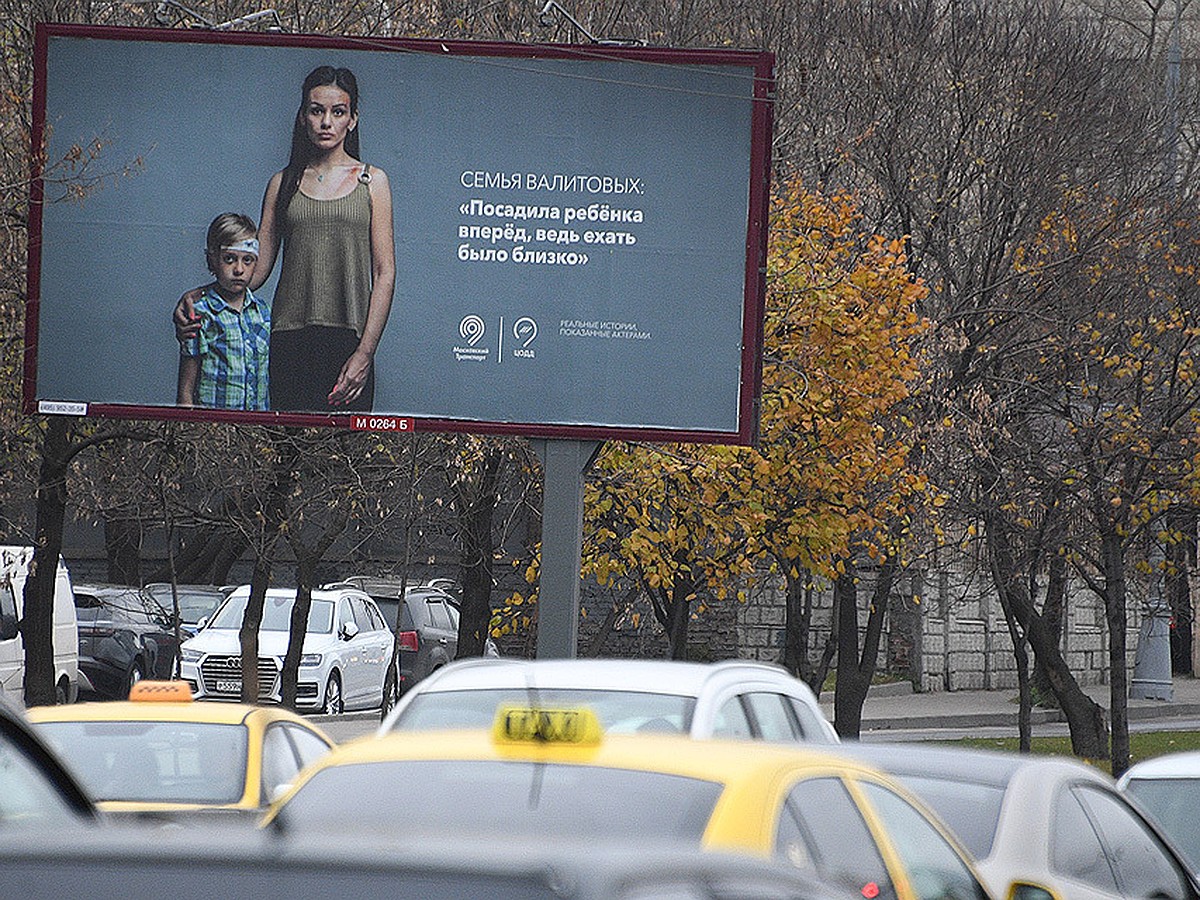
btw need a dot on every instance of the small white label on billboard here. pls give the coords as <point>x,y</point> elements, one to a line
<point>61,408</point>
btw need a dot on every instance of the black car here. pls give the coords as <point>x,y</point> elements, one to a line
<point>125,635</point>
<point>426,624</point>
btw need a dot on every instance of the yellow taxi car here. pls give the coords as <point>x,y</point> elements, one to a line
<point>554,773</point>
<point>161,752</point>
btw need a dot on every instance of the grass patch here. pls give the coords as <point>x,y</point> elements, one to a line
<point>1142,745</point>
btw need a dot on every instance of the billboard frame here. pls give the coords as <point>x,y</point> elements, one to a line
<point>755,251</point>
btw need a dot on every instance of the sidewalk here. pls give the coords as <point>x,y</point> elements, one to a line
<point>895,707</point>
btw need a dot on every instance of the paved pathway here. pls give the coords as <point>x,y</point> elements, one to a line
<point>895,712</point>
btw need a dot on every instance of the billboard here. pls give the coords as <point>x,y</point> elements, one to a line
<point>575,234</point>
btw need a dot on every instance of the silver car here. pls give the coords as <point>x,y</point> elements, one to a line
<point>1039,827</point>
<point>1168,786</point>
<point>732,699</point>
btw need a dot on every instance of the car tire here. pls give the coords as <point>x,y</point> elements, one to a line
<point>136,674</point>
<point>335,703</point>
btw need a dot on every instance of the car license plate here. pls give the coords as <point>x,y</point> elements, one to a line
<point>229,686</point>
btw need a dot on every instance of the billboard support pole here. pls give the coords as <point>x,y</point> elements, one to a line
<point>564,463</point>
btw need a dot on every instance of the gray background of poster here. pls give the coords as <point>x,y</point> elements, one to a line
<point>209,123</point>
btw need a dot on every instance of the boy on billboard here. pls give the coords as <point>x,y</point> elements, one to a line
<point>224,364</point>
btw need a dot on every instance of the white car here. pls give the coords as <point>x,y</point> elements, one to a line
<point>731,699</point>
<point>1169,787</point>
<point>347,649</point>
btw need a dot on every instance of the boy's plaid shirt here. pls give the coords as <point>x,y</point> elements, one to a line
<point>234,350</point>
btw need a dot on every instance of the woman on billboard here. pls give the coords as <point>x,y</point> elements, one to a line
<point>331,214</point>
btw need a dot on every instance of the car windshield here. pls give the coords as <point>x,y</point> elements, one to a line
<point>154,762</point>
<point>971,810</point>
<point>277,612</point>
<point>193,606</point>
<point>1173,802</point>
<point>617,710</point>
<point>505,797</point>
<point>26,796</point>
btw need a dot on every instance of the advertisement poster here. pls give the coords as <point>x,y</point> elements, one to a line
<point>577,233</point>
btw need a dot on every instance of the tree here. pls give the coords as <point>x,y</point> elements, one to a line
<point>837,458</point>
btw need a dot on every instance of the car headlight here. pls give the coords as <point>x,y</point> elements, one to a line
<point>190,655</point>
<point>310,659</point>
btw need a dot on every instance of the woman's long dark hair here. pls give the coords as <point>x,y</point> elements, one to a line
<point>302,147</point>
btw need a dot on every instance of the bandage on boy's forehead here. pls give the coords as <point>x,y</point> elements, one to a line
<point>247,245</point>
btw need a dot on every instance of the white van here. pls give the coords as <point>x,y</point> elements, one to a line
<point>14,569</point>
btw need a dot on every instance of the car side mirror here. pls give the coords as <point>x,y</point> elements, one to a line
<point>349,631</point>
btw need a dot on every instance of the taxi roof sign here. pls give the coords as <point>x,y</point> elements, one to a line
<point>161,692</point>
<point>542,725</point>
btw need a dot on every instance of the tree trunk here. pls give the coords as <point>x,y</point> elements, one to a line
<point>306,567</point>
<point>797,624</point>
<point>1115,593</point>
<point>1178,591</point>
<point>1053,612</point>
<point>123,547</point>
<point>851,690</point>
<point>273,517</point>
<point>848,704</point>
<point>678,616</point>
<point>37,623</point>
<point>477,541</point>
<point>1085,717</point>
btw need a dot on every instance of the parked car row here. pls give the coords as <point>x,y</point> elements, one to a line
<point>108,637</point>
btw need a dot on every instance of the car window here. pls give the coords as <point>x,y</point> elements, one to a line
<point>308,746</point>
<point>934,868</point>
<point>971,810</point>
<point>506,796</point>
<point>344,613</point>
<point>1075,848</point>
<point>821,828</point>
<point>412,614</point>
<point>731,721</point>
<point>279,762</point>
<point>811,724</point>
<point>438,616</point>
<point>26,796</point>
<point>452,611</point>
<point>8,612</point>
<point>376,617</point>
<point>1143,866</point>
<point>771,716</point>
<point>361,618</point>
<point>1174,803</point>
<point>172,762</point>
<point>277,614</point>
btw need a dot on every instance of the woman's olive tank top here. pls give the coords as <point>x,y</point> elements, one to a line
<point>325,275</point>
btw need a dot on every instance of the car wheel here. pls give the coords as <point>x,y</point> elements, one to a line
<point>335,705</point>
<point>136,674</point>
